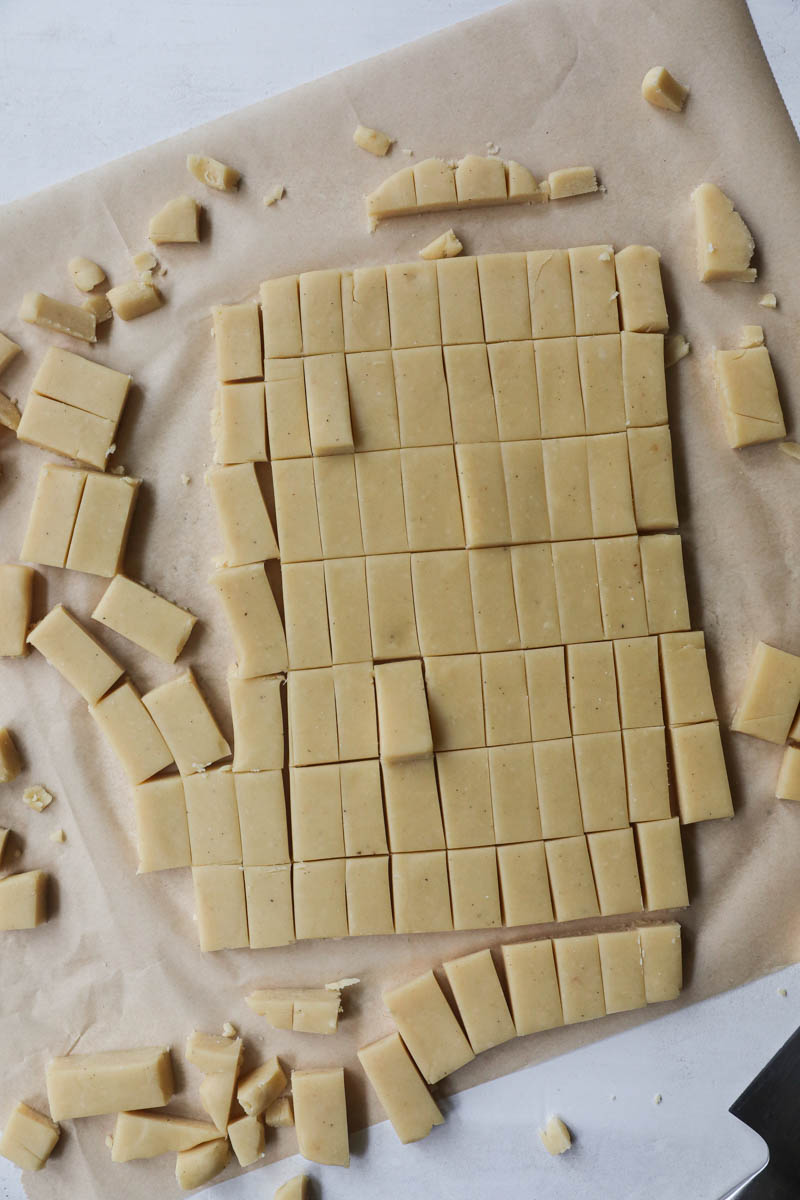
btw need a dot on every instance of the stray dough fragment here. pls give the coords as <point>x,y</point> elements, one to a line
<point>662,90</point>
<point>38,309</point>
<point>177,221</point>
<point>28,1137</point>
<point>202,1163</point>
<point>274,195</point>
<point>676,347</point>
<point>750,336</point>
<point>279,1114</point>
<point>446,245</point>
<point>571,181</point>
<point>85,273</point>
<point>9,413</point>
<point>10,761</point>
<point>134,299</point>
<point>751,407</point>
<point>790,448</point>
<point>768,300</point>
<point>145,261</point>
<point>372,140</point>
<point>555,1136</point>
<point>295,1188</point>
<point>213,173</point>
<point>58,835</point>
<point>99,306</point>
<point>305,1010</point>
<point>37,797</point>
<point>724,243</point>
<point>8,351</point>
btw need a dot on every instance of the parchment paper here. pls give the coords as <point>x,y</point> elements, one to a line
<point>554,84</point>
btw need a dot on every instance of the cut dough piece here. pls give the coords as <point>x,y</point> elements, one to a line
<point>750,336</point>
<point>653,479</point>
<point>610,485</point>
<point>622,598</point>
<point>213,1053</point>
<point>306,615</point>
<point>145,618</point>
<point>65,430</point>
<point>664,583</point>
<point>522,186</point>
<point>321,312</point>
<point>516,395</point>
<point>661,958</point>
<point>422,402</point>
<point>369,898</point>
<point>579,978</point>
<point>480,1000</point>
<point>748,393</point>
<point>616,874</point>
<point>523,467</point>
<point>480,181</point>
<point>237,338</point>
<point>559,386</point>
<point>337,506</point>
<point>676,347</point>
<point>535,595</point>
<point>75,654</point>
<point>573,889</point>
<point>638,682</point>
<point>470,390</point>
<point>320,904</point>
<point>365,310</point>
<point>641,294</point>
<point>413,817</point>
<point>213,173</point>
<point>305,1010</point>
<point>270,915</point>
<point>213,818</point>
<point>600,363</point>
<point>687,687</point>
<point>788,785</point>
<point>8,351</point>
<point>311,706</point>
<point>10,762</point>
<point>238,423</point>
<point>579,612</point>
<point>474,888</point>
<point>550,289</point>
<point>505,302</point>
<point>484,503</point>
<point>296,510</point>
<point>421,895</point>
<point>90,1085</point>
<point>201,1164</point>
<point>592,688</point>
<point>320,1114</point>
<point>183,717</point>
<point>220,907</point>
<point>725,245</point>
<point>399,1087</point>
<point>515,803</point>
<point>392,198</point>
<point>355,710</point>
<point>547,693</point>
<point>16,601</point>
<point>403,722</point>
<point>435,185</point>
<point>328,403</point>
<point>253,616</point>
<point>443,602</point>
<point>768,300</point>
<point>594,289</point>
<point>348,610</point>
<point>81,383</point>
<point>646,771</point>
<point>623,973</point>
<point>601,781</point>
<point>101,527</point>
<point>662,90</point>
<point>261,806</point>
<point>571,181</point>
<point>566,472</point>
<point>258,743</point>
<point>460,301</point>
<point>391,606</point>
<point>242,515</point>
<point>177,221</point>
<point>413,304</point>
<point>257,1090</point>
<point>362,808</point>
<point>446,245</point>
<point>373,401</point>
<point>493,599</point>
<point>29,1138</point>
<point>23,900</point>
<point>455,701</point>
<point>432,505</point>
<point>524,884</point>
<point>557,788</point>
<point>162,830</point>
<point>701,780</point>
<point>428,1027</point>
<point>555,1137</point>
<point>505,698</point>
<point>132,733</point>
<point>661,859</point>
<point>38,309</point>
<point>465,797</point>
<point>246,1136</point>
<point>280,317</point>
<point>532,986</point>
<point>139,1135</point>
<point>643,379</point>
<point>133,299</point>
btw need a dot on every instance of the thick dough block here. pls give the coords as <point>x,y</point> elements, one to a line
<point>237,338</point>
<point>321,312</point>
<point>661,859</point>
<point>403,721</point>
<point>254,620</point>
<point>306,615</point>
<point>280,317</point>
<point>380,497</point>
<point>311,705</point>
<point>481,1003</point>
<point>413,816</point>
<point>213,817</point>
<point>505,301</point>
<point>533,986</point>
<point>432,504</point>
<point>428,1027</point>
<point>144,617</point>
<point>622,970</point>
<point>261,806</point>
<point>90,1085</point>
<point>493,603</point>
<point>455,701</point>
<point>355,710</point>
<point>481,479</point>
<point>460,301</point>
<point>515,802</point>
<point>592,688</point>
<point>535,595</point>
<point>610,485</point>
<point>162,830</point>
<point>771,695</point>
<point>550,290</point>
<point>348,609</point>
<point>391,606</point>
<point>724,243</point>
<point>52,520</point>
<point>362,808</point>
<point>239,423</point>
<point>23,900</point>
<point>406,1101</point>
<point>547,693</point>
<point>286,409</point>
<point>257,1090</point>
<point>28,1137</point>
<point>65,430</point>
<point>413,297</point>
<point>320,1116</point>
<point>328,404</point>
<point>242,515</point>
<point>423,407</point>
<point>701,780</point>
<point>662,961</point>
<point>270,914</point>
<point>748,393</point>
<point>600,363</point>
<point>523,467</point>
<point>643,380</point>
<point>337,506</point>
<point>101,528</point>
<point>16,601</point>
<point>296,510</point>
<point>601,780</point>
<point>81,383</point>
<point>132,733</point>
<point>622,597</point>
<point>443,602</point>
<point>369,897</point>
<point>186,723</point>
<point>557,788</point>
<point>474,888</point>
<point>466,799</point>
<point>38,309</point>
<point>580,978</point>
<point>616,873</point>
<point>638,682</point>
<point>256,711</point>
<point>75,654</point>
<point>571,883</point>
<point>516,395</point>
<point>664,583</point>
<point>373,400</point>
<point>566,472</point>
<point>421,896</point>
<point>641,293</point>
<point>316,807</point>
<point>365,310</point>
<point>652,475</point>
<point>594,289</point>
<point>524,885</point>
<point>687,687</point>
<point>646,770</point>
<point>320,903</point>
<point>578,593</point>
<point>505,698</point>
<point>469,387</point>
<point>559,386</point>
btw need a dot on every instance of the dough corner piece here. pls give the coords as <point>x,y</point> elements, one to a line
<point>724,243</point>
<point>662,90</point>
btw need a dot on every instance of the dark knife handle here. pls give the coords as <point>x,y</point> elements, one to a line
<point>770,1184</point>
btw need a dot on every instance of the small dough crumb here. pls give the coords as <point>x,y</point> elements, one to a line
<point>555,1136</point>
<point>751,335</point>
<point>186,480</point>
<point>604,256</point>
<point>676,347</point>
<point>657,1098</point>
<point>9,413</point>
<point>492,148</point>
<point>410,153</point>
<point>99,306</point>
<point>58,835</point>
<point>37,797</point>
<point>118,470</point>
<point>372,140</point>
<point>662,90</point>
<point>109,1141</point>
<point>85,273</point>
<point>790,448</point>
<point>272,197</point>
<point>213,173</point>
<point>145,261</point>
<point>782,991</point>
<point>229,1030</point>
<point>768,300</point>
<point>446,245</point>
<point>338,984</point>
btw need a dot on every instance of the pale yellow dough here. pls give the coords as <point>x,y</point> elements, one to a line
<point>725,245</point>
<point>662,90</point>
<point>372,140</point>
<point>28,1137</point>
<point>446,245</point>
<point>213,173</point>
<point>88,1085</point>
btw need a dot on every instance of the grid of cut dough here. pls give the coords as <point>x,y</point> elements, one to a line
<point>467,694</point>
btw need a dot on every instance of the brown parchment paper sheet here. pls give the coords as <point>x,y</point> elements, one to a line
<point>553,84</point>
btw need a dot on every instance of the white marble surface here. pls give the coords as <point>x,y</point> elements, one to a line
<point>84,84</point>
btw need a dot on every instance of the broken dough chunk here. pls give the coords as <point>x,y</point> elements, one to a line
<point>275,194</point>
<point>28,1137</point>
<point>85,273</point>
<point>279,1114</point>
<point>202,1163</point>
<point>23,901</point>
<point>446,245</point>
<point>792,449</point>
<point>555,1136</point>
<point>750,336</point>
<point>305,1010</point>
<point>295,1188</point>
<point>147,1134</point>
<point>213,173</point>
<point>38,309</point>
<point>372,140</point>
<point>134,299</point>
<point>10,415</point>
<point>100,308</point>
<point>37,797</point>
<point>10,761</point>
<point>177,221</point>
<point>321,1116</point>
<point>571,181</point>
<point>247,1139</point>
<point>676,347</point>
<point>257,1091</point>
<point>724,243</point>
<point>662,90</point>
<point>768,300</point>
<point>771,695</point>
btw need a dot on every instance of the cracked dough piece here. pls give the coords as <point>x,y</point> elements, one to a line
<point>29,1138</point>
<point>144,617</point>
<point>686,683</point>
<point>38,309</point>
<point>662,90</point>
<point>89,1085</point>
<point>257,1090</point>
<point>480,1000</point>
<point>748,393</point>
<point>75,654</point>
<point>213,173</point>
<point>85,273</point>
<point>623,973</point>
<point>446,245</point>
<point>661,859</point>
<point>66,430</point>
<point>771,695</point>
<point>255,623</point>
<point>133,299</point>
<point>101,527</point>
<point>140,1135</point>
<point>400,1088</point>
<point>725,245</point>
<point>81,383</point>
<point>23,901</point>
<point>372,140</point>
<point>16,600</point>
<point>201,1164</point>
<point>133,734</point>
<point>768,300</point>
<point>532,986</point>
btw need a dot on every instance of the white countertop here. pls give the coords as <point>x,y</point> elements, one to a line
<point>85,84</point>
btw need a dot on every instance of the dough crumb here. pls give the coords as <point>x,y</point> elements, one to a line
<point>186,480</point>
<point>492,148</point>
<point>85,273</point>
<point>555,1136</point>
<point>410,153</point>
<point>118,470</point>
<point>145,261</point>
<point>446,245</point>
<point>272,197</point>
<point>10,415</point>
<point>676,347</point>
<point>790,448</point>
<point>612,1097</point>
<point>213,173</point>
<point>229,1030</point>
<point>657,1098</point>
<point>768,300</point>
<point>662,90</point>
<point>37,797</point>
<point>782,991</point>
<point>372,140</point>
<point>58,835</point>
<point>338,984</point>
<point>604,256</point>
<point>109,1141</point>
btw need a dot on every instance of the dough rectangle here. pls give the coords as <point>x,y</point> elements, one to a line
<point>459,301</point>
<point>557,788</point>
<point>328,404</point>
<point>311,705</point>
<point>546,674</point>
<point>466,799</point>
<point>469,387</point>
<point>362,809</point>
<point>369,898</point>
<point>239,424</point>
<point>421,896</point>
<point>252,613</point>
<point>600,363</point>
<point>53,514</point>
<point>579,978</point>
<point>413,304</point>
<point>337,506</point>
<point>365,309</point>
<point>493,599</point>
<point>373,400</point>
<point>515,802</point>
<point>411,796</point>
<point>622,598</point>
<point>315,799</point>
<point>423,407</point>
<point>101,527</point>
<point>379,480</point>
<point>263,826</point>
<point>296,510</point>
<point>516,395</point>
<point>474,888</point>
<point>566,473</point>
<point>533,986</point>
<point>443,602</point>
<point>455,701</point>
<point>286,408</point>
<point>550,290</point>
<point>523,467</point>
<point>430,493</point>
<point>594,289</point>
<point>650,453</point>
<point>391,606</point>
<point>348,610</point>
<point>505,301</point>
<point>579,612</point>
<point>535,595</point>
<point>220,909</point>
<point>559,386</point>
<point>616,873</point>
